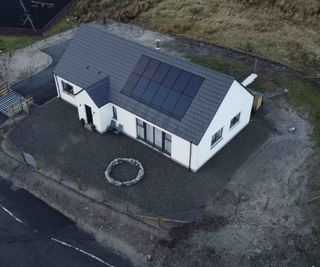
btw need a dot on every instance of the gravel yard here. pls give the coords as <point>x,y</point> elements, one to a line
<point>54,135</point>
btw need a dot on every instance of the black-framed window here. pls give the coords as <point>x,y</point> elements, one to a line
<point>141,132</point>
<point>235,120</point>
<point>66,87</point>
<point>154,136</point>
<point>114,113</point>
<point>216,137</point>
<point>167,143</point>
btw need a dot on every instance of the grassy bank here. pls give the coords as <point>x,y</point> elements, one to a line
<point>258,27</point>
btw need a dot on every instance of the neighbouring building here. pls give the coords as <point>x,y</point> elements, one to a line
<point>185,111</point>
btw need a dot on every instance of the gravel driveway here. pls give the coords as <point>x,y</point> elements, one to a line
<point>54,135</point>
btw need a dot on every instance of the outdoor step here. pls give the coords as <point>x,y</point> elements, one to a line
<point>10,103</point>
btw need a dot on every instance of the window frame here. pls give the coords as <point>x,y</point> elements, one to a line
<point>237,117</point>
<point>166,138</point>
<point>64,86</point>
<point>214,140</point>
<point>141,125</point>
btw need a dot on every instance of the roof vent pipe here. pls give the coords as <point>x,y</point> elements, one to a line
<point>158,44</point>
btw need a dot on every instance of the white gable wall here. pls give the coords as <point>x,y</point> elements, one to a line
<point>101,116</point>
<point>237,100</point>
<point>64,95</point>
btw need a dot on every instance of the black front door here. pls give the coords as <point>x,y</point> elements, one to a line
<point>89,114</point>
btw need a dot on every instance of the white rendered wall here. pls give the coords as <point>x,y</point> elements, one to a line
<point>101,116</point>
<point>65,96</point>
<point>180,148</point>
<point>237,100</point>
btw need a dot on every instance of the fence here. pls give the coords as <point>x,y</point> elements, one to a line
<point>4,88</point>
<point>47,27</point>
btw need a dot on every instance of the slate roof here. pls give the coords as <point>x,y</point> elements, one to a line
<point>94,53</point>
<point>99,92</point>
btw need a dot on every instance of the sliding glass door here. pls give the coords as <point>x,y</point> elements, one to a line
<point>153,136</point>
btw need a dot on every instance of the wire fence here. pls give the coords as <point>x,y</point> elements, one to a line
<point>46,28</point>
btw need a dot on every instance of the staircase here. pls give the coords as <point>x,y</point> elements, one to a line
<point>10,103</point>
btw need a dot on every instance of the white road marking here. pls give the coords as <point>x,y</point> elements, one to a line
<point>11,214</point>
<point>82,251</point>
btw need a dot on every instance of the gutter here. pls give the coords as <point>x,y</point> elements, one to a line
<point>190,155</point>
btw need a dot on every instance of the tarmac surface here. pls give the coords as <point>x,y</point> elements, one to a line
<point>34,234</point>
<point>42,86</point>
<point>3,118</point>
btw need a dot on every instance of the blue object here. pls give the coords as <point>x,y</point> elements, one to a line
<point>166,88</point>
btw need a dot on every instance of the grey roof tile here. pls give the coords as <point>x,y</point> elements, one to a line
<point>115,57</point>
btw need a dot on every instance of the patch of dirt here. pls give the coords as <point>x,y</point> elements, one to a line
<point>263,224</point>
<point>24,63</point>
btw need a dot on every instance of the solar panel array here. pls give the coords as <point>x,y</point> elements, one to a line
<point>162,86</point>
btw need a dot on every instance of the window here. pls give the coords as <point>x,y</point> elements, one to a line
<point>167,143</point>
<point>67,88</point>
<point>154,136</point>
<point>114,113</point>
<point>158,138</point>
<point>140,129</point>
<point>234,120</point>
<point>216,137</point>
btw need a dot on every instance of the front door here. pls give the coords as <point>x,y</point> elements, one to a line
<point>89,114</point>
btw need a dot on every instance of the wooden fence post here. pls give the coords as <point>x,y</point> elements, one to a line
<point>299,197</point>
<point>160,221</point>
<point>236,208</point>
<point>1,134</point>
<point>127,206</point>
<point>266,206</point>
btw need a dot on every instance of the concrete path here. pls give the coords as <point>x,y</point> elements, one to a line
<point>42,86</point>
<point>33,234</point>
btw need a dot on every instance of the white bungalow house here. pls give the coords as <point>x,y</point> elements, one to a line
<point>185,111</point>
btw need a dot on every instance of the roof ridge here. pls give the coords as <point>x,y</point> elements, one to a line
<point>154,51</point>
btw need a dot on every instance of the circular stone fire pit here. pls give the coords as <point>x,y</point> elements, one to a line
<point>132,162</point>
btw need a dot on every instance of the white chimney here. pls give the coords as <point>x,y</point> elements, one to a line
<point>158,44</point>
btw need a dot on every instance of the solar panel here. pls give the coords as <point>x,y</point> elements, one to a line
<point>140,87</point>
<point>161,73</point>
<point>170,101</point>
<point>162,86</point>
<point>131,82</point>
<point>141,65</point>
<point>171,77</point>
<point>182,81</point>
<point>151,69</point>
<point>182,106</point>
<point>193,85</point>
<point>150,92</point>
<point>160,96</point>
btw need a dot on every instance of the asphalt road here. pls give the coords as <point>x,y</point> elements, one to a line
<point>3,118</point>
<point>41,86</point>
<point>33,234</point>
